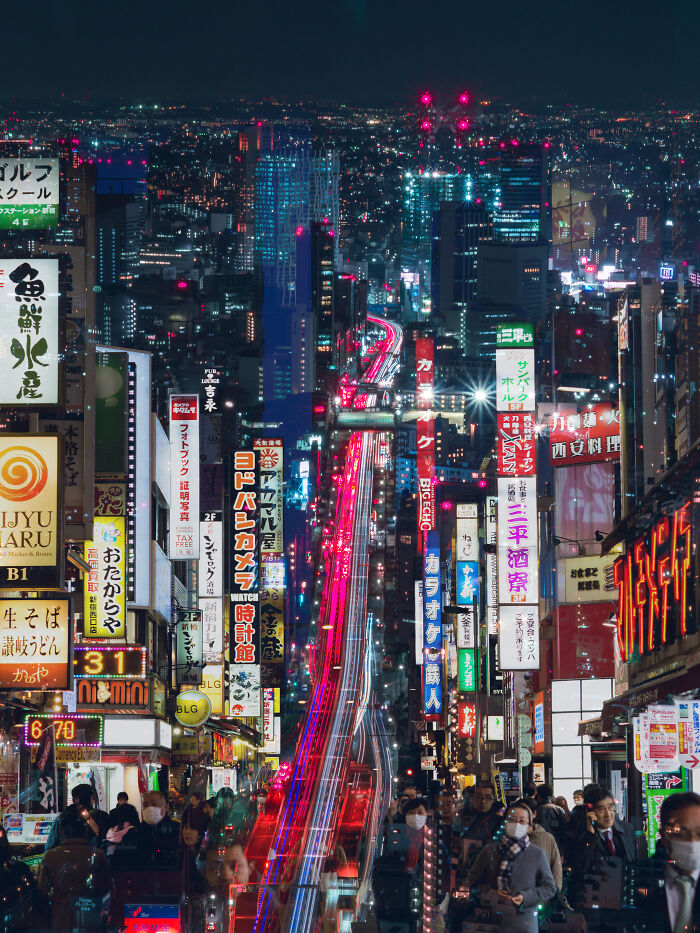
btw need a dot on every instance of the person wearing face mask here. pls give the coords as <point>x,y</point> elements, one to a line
<point>512,876</point>
<point>674,905</point>
<point>416,817</point>
<point>158,842</point>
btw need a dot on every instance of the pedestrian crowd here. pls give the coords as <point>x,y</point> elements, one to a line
<point>536,865</point>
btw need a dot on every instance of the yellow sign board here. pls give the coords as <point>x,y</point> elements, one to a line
<point>35,636</point>
<point>212,686</point>
<point>192,708</point>
<point>105,584</point>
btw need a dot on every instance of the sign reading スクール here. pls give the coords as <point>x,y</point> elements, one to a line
<point>28,194</point>
<point>29,511</point>
<point>29,332</point>
<point>519,638</point>
<point>517,541</point>
<point>105,584</point>
<point>517,444</point>
<point>36,639</point>
<point>588,436</point>
<point>184,477</point>
<point>432,628</point>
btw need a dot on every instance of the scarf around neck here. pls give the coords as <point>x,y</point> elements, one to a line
<point>508,850</point>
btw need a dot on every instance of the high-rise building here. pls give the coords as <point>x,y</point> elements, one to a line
<point>461,226</point>
<point>323,248</point>
<point>513,180</point>
<point>252,142</point>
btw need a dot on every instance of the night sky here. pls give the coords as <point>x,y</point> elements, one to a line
<point>353,50</point>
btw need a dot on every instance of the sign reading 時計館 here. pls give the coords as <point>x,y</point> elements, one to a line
<point>36,637</point>
<point>30,512</point>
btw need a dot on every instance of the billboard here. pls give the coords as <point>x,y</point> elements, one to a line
<point>515,380</point>
<point>585,497</point>
<point>29,190</point>
<point>587,580</point>
<point>245,636</point>
<point>212,686</point>
<point>270,453</point>
<point>244,506</point>
<point>467,535</point>
<point>425,433</point>
<point>432,628</point>
<point>30,554</point>
<point>519,638</point>
<point>189,646</point>
<point>272,613</point>
<point>515,335</point>
<point>244,690</point>
<point>591,435</point>
<point>29,348</point>
<point>184,477</point>
<point>212,629</point>
<point>517,444</point>
<point>517,540</point>
<point>466,670</point>
<point>105,584</point>
<point>211,559</point>
<point>584,644</point>
<point>36,636</point>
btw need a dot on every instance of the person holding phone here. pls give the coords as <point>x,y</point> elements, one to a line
<point>82,808</point>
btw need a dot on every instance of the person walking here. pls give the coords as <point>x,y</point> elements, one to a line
<point>23,908</point>
<point>546,841</point>
<point>124,812</point>
<point>82,808</point>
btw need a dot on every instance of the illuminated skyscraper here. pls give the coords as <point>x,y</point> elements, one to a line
<point>513,180</point>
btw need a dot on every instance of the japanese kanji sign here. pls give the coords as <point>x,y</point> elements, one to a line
<point>588,580</point>
<point>272,613</point>
<point>245,634</point>
<point>466,670</point>
<point>212,629</point>
<point>515,380</point>
<point>244,532</point>
<point>211,380</point>
<point>211,559</point>
<point>189,646</point>
<point>29,511</point>
<point>432,628</point>
<point>466,719</point>
<point>29,350</point>
<point>270,453</point>
<point>105,584</point>
<point>467,538</point>
<point>28,193</point>
<point>35,642</point>
<point>517,444</point>
<point>590,435</point>
<point>425,433</point>
<point>519,638</point>
<point>184,477</point>
<point>515,335</point>
<point>517,540</point>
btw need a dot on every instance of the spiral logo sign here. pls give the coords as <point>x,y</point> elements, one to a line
<point>23,473</point>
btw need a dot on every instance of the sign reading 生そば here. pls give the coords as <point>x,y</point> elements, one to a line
<point>28,193</point>
<point>36,641</point>
<point>184,477</point>
<point>29,332</point>
<point>29,511</point>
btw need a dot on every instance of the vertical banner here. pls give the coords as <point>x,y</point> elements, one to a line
<point>432,628</point>
<point>212,629</point>
<point>425,433</point>
<point>189,646</point>
<point>29,339</point>
<point>517,540</point>
<point>211,559</point>
<point>516,443</point>
<point>105,584</point>
<point>272,613</point>
<point>515,380</point>
<point>519,638</point>
<point>270,452</point>
<point>184,477</point>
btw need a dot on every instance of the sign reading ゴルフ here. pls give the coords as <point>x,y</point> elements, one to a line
<point>35,640</point>
<point>29,331</point>
<point>184,477</point>
<point>29,191</point>
<point>29,511</point>
<point>588,436</point>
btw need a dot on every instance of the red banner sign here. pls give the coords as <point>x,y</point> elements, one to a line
<point>425,433</point>
<point>517,443</point>
<point>590,435</point>
<point>466,722</point>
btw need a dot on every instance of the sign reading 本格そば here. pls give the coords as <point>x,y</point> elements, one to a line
<point>105,583</point>
<point>29,190</point>
<point>36,642</point>
<point>184,477</point>
<point>29,332</point>
<point>519,638</point>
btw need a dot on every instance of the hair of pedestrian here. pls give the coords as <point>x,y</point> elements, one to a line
<point>676,802</point>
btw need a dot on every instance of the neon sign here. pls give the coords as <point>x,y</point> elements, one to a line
<point>653,586</point>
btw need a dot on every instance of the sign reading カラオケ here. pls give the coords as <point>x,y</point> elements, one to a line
<point>29,348</point>
<point>29,191</point>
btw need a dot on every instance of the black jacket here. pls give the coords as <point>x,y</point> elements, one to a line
<point>124,813</point>
<point>593,846</point>
<point>651,909</point>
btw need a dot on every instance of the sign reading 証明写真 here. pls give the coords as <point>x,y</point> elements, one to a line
<point>588,436</point>
<point>517,540</point>
<point>29,332</point>
<point>519,638</point>
<point>36,640</point>
<point>270,452</point>
<point>29,191</point>
<point>189,646</point>
<point>432,628</point>
<point>654,578</point>
<point>30,556</point>
<point>105,584</point>
<point>517,444</point>
<point>515,380</point>
<point>184,477</point>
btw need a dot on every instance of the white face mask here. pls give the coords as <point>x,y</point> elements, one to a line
<point>516,830</point>
<point>686,854</point>
<point>416,820</point>
<point>152,815</point>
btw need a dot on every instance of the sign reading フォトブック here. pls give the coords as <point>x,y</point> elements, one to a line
<point>29,512</point>
<point>591,435</point>
<point>29,191</point>
<point>184,477</point>
<point>189,646</point>
<point>105,584</point>
<point>517,541</point>
<point>515,380</point>
<point>29,348</point>
<point>271,471</point>
<point>515,335</point>
<point>432,628</point>
<point>36,639</point>
<point>519,638</point>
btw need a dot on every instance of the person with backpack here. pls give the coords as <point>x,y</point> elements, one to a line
<point>549,815</point>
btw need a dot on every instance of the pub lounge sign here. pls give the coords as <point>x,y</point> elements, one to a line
<point>654,579</point>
